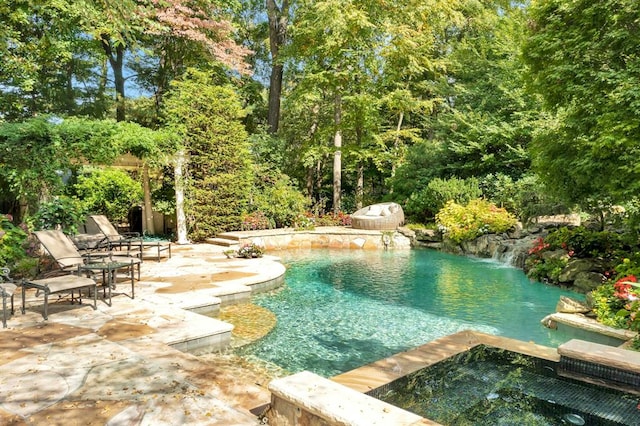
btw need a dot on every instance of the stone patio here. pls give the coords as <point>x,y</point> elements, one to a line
<point>142,361</point>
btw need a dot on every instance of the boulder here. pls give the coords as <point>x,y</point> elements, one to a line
<point>517,231</point>
<point>587,281</point>
<point>571,306</point>
<point>428,235</point>
<point>574,268</point>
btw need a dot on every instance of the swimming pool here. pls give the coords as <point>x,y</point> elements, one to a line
<point>342,309</point>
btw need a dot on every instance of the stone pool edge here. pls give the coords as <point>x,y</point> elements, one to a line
<point>341,400</point>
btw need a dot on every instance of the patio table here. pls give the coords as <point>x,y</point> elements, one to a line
<point>109,269</point>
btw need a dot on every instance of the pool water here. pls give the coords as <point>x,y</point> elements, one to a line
<point>493,386</point>
<point>342,309</point>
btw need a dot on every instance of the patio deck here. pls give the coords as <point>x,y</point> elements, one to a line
<point>135,362</point>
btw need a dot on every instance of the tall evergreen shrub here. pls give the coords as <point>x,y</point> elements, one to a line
<point>219,170</point>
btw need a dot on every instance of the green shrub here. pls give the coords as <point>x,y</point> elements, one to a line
<point>583,242</point>
<point>423,205</point>
<point>545,270</point>
<point>463,223</point>
<point>107,191</point>
<point>12,241</point>
<point>209,120</point>
<point>62,213</point>
<point>526,197</point>
<point>278,200</point>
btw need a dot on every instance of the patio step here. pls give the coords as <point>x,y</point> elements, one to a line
<point>229,236</point>
<point>222,241</point>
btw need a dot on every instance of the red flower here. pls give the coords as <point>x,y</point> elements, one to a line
<point>622,287</point>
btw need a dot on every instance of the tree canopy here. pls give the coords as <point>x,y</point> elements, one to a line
<point>583,59</point>
<point>357,101</point>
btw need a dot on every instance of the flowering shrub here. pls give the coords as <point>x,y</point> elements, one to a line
<point>309,220</point>
<point>250,250</point>
<point>256,220</point>
<point>539,246</point>
<point>463,223</point>
<point>618,304</point>
<point>334,219</point>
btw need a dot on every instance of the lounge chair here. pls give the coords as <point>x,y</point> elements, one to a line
<point>101,224</point>
<point>110,238</point>
<point>383,216</point>
<point>69,283</point>
<point>61,248</point>
<point>7,288</point>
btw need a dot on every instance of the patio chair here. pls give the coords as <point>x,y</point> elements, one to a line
<point>111,238</point>
<point>67,255</point>
<point>7,288</point>
<point>130,240</point>
<point>69,284</point>
<point>61,248</point>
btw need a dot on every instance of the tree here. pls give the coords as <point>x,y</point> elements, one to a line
<point>46,64</point>
<point>334,44</point>
<point>482,119</point>
<point>214,151</point>
<point>583,59</point>
<point>278,22</point>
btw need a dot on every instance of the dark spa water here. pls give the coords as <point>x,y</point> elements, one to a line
<point>342,309</point>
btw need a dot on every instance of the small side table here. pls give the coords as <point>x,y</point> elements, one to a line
<point>109,270</point>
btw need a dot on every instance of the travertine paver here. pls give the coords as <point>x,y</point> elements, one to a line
<point>113,366</point>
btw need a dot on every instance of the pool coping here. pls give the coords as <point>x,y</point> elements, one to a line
<point>383,371</point>
<point>337,400</point>
<point>342,399</point>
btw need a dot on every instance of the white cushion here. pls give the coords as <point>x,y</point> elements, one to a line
<point>374,211</point>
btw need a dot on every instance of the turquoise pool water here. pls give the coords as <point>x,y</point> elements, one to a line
<point>342,309</point>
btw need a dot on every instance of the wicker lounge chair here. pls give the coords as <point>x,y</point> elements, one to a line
<point>101,224</point>
<point>383,216</point>
<point>7,288</point>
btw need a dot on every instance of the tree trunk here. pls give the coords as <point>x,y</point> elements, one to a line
<point>360,186</point>
<point>181,218</point>
<point>312,131</point>
<point>337,155</point>
<point>116,60</point>
<point>396,143</point>
<point>149,226</point>
<point>278,21</point>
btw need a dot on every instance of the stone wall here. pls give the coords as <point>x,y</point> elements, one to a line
<point>334,239</point>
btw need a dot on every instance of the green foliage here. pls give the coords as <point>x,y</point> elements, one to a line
<point>208,120</point>
<point>422,206</point>
<point>277,198</point>
<point>545,270</point>
<point>107,191</point>
<point>584,242</point>
<point>526,197</point>
<point>582,57</point>
<point>463,223</point>
<point>606,306</point>
<point>64,213</point>
<point>12,241</point>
